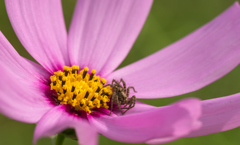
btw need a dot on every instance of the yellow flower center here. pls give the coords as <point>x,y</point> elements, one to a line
<point>81,90</point>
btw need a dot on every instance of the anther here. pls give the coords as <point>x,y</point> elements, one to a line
<point>73,88</point>
<point>82,102</point>
<point>75,69</point>
<point>98,89</point>
<point>92,74</point>
<point>85,72</point>
<point>97,79</point>
<point>66,70</point>
<point>90,104</point>
<point>63,81</point>
<point>60,78</point>
<point>86,95</point>
<point>53,78</point>
<point>93,98</point>
<point>64,91</point>
<point>103,92</point>
<point>74,96</point>
<point>103,81</point>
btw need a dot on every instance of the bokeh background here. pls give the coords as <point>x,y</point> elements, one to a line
<point>168,21</point>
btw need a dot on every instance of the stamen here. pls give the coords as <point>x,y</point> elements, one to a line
<point>98,89</point>
<point>79,89</point>
<point>103,81</point>
<point>92,74</point>
<point>86,95</point>
<point>85,72</point>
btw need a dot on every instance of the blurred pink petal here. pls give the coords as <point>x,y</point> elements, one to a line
<point>189,64</point>
<point>103,32</point>
<point>219,115</point>
<point>21,91</point>
<point>40,27</point>
<point>168,123</point>
<point>57,120</point>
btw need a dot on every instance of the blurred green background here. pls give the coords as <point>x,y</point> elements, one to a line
<point>168,21</point>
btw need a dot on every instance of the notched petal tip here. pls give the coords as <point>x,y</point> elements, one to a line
<point>219,114</point>
<point>192,104</point>
<point>194,109</point>
<point>236,4</point>
<point>186,124</point>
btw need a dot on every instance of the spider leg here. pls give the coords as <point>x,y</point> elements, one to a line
<point>116,82</point>
<point>113,97</point>
<point>129,89</point>
<point>124,85</point>
<point>125,105</point>
<point>131,103</point>
<point>133,100</point>
<point>108,85</point>
<point>119,107</point>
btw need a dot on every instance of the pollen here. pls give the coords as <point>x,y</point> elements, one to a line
<point>80,89</point>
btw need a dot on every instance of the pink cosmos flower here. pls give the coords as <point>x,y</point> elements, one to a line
<point>100,36</point>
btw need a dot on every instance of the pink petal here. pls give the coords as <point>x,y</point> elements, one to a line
<point>40,27</point>
<point>219,115</point>
<point>57,120</point>
<point>189,64</point>
<point>163,123</point>
<point>22,97</point>
<point>103,32</point>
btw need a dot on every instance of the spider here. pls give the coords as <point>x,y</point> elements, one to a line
<point>120,95</point>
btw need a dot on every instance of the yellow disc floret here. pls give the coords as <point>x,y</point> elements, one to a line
<point>80,89</point>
